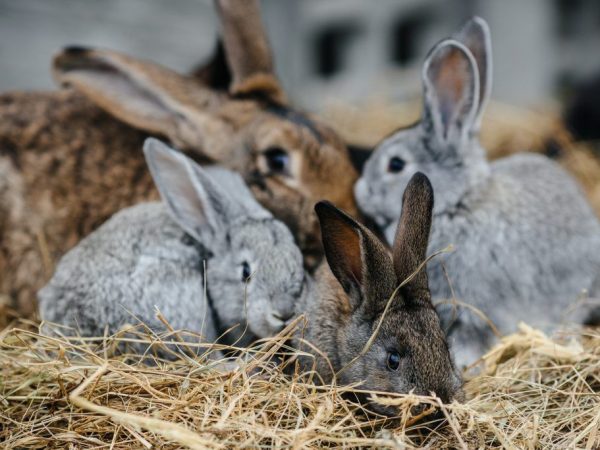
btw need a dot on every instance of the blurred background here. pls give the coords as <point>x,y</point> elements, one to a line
<point>325,50</point>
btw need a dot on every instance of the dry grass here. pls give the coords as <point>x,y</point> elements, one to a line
<point>534,392</point>
<point>506,130</point>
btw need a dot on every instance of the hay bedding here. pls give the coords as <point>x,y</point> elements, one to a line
<point>534,392</point>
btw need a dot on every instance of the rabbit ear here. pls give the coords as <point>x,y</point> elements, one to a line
<point>412,236</point>
<point>475,35</point>
<point>142,94</point>
<point>451,85</point>
<point>356,257</point>
<point>193,199</point>
<point>239,193</point>
<point>247,50</point>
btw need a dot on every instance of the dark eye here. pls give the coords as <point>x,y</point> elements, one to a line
<point>277,160</point>
<point>246,272</point>
<point>393,360</point>
<point>396,165</point>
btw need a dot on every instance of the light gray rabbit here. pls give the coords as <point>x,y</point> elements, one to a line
<point>527,242</point>
<point>348,303</point>
<point>152,256</point>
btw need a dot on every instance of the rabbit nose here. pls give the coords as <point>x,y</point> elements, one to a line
<point>283,317</point>
<point>418,409</point>
<point>284,310</point>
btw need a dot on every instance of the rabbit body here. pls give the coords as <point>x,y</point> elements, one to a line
<point>153,255</point>
<point>526,245</point>
<point>55,171</point>
<point>526,241</point>
<point>121,273</point>
<point>362,327</point>
<point>72,157</point>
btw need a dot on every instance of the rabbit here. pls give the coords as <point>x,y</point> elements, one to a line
<point>347,303</point>
<point>74,155</point>
<point>526,240</point>
<point>153,255</point>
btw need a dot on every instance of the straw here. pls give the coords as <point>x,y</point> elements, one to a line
<point>533,392</point>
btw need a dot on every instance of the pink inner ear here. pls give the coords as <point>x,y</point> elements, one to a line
<point>450,77</point>
<point>348,243</point>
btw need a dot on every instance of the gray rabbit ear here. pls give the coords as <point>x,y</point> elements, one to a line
<point>451,88</point>
<point>356,257</point>
<point>475,35</point>
<point>193,199</point>
<point>412,236</point>
<point>239,192</point>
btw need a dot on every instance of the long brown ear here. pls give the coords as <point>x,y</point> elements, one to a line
<point>356,257</point>
<point>247,50</point>
<point>412,237</point>
<point>143,94</point>
<point>475,35</point>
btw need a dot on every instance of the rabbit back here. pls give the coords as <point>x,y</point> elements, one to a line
<point>137,262</point>
<point>60,169</point>
<point>535,235</point>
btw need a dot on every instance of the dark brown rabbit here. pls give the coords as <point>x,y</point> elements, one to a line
<point>70,159</point>
<point>350,304</point>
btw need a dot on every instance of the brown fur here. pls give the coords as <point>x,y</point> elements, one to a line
<point>70,160</point>
<point>347,307</point>
<point>59,188</point>
<point>249,55</point>
<point>410,248</point>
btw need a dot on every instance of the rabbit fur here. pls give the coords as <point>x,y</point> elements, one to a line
<point>73,157</point>
<point>349,300</point>
<point>150,256</point>
<point>526,240</point>
<point>154,255</point>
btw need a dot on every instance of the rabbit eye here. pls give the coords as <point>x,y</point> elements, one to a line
<point>278,160</point>
<point>246,272</point>
<point>396,165</point>
<point>393,360</point>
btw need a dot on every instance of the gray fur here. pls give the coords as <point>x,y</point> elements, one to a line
<point>153,254</point>
<point>526,240</point>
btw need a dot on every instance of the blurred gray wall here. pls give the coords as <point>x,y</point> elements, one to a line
<point>176,33</point>
<point>325,49</point>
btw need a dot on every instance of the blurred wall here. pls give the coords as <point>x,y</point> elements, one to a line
<point>176,33</point>
<point>325,49</point>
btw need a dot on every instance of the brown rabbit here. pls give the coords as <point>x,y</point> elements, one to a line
<point>70,159</point>
<point>409,351</point>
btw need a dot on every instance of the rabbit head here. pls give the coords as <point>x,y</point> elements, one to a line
<point>251,258</point>
<point>409,351</point>
<point>444,144</point>
<point>288,159</point>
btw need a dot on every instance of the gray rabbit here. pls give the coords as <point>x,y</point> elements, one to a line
<point>152,256</point>
<point>348,304</point>
<point>527,242</point>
